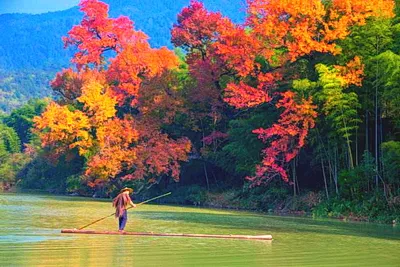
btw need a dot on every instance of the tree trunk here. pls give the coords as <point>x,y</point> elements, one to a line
<point>323,173</point>
<point>376,116</point>
<point>366,131</point>
<point>350,156</point>
<point>356,147</point>
<point>335,171</point>
<point>294,202</point>
<point>380,145</point>
<point>206,174</point>
<point>376,139</point>
<point>215,178</point>
<point>294,178</point>
<point>330,165</point>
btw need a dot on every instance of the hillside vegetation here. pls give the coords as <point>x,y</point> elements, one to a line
<point>31,49</point>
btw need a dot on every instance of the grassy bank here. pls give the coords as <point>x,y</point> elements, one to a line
<point>371,208</point>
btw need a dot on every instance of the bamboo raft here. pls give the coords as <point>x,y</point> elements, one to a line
<point>248,237</point>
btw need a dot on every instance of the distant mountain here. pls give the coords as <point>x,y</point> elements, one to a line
<point>34,41</point>
<point>17,87</point>
<point>31,44</point>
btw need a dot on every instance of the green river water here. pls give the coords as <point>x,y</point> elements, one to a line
<point>30,236</point>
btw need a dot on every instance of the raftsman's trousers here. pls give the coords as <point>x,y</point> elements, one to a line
<point>122,220</point>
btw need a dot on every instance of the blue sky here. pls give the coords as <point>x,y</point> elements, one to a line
<point>35,6</point>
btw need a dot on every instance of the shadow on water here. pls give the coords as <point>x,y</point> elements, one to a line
<point>277,224</point>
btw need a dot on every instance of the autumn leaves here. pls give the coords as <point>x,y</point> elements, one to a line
<point>110,106</point>
<point>103,114</point>
<point>258,56</point>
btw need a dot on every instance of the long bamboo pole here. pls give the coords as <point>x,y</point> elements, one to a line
<point>253,237</point>
<point>141,203</point>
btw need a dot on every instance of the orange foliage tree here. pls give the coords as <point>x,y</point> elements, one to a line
<point>259,54</point>
<point>109,105</point>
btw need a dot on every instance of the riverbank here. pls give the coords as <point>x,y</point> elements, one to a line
<point>309,204</point>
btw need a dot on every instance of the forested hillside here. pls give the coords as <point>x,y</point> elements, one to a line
<point>31,49</point>
<point>18,86</point>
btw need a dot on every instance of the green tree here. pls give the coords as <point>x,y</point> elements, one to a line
<point>389,79</point>
<point>11,161</point>
<point>391,163</point>
<point>10,139</point>
<point>21,119</point>
<point>339,106</point>
<point>368,42</point>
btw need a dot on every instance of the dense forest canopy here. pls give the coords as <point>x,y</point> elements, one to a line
<point>298,96</point>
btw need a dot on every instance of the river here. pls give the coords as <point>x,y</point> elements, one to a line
<point>30,236</point>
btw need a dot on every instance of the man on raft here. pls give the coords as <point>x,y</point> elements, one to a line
<point>120,203</point>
